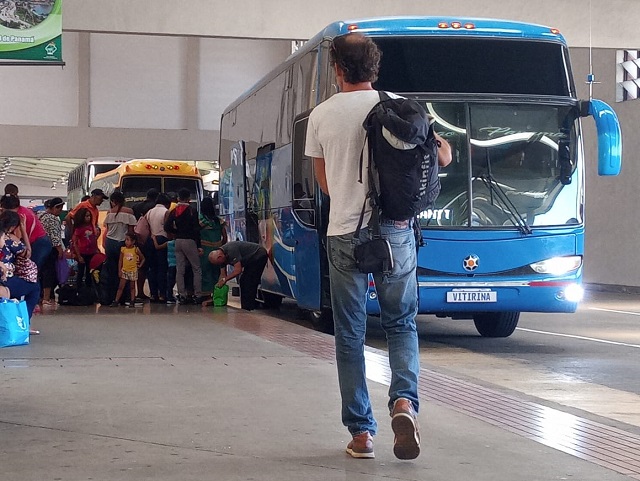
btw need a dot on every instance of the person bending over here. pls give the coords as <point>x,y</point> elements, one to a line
<point>248,261</point>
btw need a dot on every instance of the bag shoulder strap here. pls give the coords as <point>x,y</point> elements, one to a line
<point>374,222</point>
<point>372,195</point>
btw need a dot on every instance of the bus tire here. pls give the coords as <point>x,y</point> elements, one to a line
<point>496,324</point>
<point>322,320</point>
<point>271,301</point>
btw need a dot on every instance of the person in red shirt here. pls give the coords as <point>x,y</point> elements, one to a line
<point>37,242</point>
<point>85,243</point>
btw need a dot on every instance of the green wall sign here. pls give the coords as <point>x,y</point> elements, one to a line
<point>31,30</point>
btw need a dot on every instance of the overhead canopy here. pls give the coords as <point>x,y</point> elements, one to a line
<point>55,170</point>
<point>47,168</point>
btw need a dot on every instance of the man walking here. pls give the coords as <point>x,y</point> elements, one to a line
<point>335,140</point>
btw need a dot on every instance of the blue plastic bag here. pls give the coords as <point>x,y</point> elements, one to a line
<point>14,323</point>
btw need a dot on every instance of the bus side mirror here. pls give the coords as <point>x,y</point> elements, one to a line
<point>609,136</point>
<point>564,159</point>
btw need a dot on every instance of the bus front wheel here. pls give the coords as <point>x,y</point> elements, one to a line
<point>496,324</point>
<point>322,320</point>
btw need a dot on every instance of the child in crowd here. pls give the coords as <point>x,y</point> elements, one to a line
<point>131,259</point>
<point>85,243</point>
<point>170,245</point>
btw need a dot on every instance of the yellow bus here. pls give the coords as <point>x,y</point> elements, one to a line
<point>135,177</point>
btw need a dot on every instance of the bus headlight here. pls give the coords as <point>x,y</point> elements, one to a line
<point>573,293</point>
<point>557,266</point>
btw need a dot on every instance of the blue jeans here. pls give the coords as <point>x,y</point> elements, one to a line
<point>398,297</point>
<point>40,250</point>
<point>110,272</point>
<point>19,288</point>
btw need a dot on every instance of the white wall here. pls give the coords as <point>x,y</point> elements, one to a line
<point>130,96</point>
<point>229,67</point>
<point>138,81</point>
<point>293,19</point>
<point>41,95</point>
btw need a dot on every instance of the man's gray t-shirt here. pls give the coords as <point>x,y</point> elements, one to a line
<point>242,252</point>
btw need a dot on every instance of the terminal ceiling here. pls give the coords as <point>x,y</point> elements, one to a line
<point>52,169</point>
<point>56,169</point>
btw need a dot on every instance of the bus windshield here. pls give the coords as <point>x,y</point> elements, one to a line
<point>445,64</point>
<point>136,187</point>
<point>507,172</point>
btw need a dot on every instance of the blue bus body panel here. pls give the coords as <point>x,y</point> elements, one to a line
<point>498,251</point>
<point>517,287</point>
<point>534,298</point>
<point>294,270</point>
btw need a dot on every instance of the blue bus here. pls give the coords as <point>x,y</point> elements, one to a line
<point>507,232</point>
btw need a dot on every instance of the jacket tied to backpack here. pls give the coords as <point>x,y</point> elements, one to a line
<point>404,151</point>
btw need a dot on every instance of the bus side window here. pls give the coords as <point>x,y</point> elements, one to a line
<point>303,201</point>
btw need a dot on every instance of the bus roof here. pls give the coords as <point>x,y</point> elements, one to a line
<point>107,160</point>
<point>154,167</point>
<point>442,26</point>
<point>415,26</point>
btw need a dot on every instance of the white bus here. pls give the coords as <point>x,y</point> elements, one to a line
<point>81,176</point>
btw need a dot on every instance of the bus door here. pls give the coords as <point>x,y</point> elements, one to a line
<point>237,223</point>
<point>273,175</point>
<point>306,239</point>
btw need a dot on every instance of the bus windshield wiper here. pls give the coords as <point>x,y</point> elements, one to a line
<point>496,189</point>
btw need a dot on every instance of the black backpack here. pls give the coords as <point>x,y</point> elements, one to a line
<point>69,295</point>
<point>404,151</point>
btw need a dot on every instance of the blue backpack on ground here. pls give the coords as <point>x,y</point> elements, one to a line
<point>404,151</point>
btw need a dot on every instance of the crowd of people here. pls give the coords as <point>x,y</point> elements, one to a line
<point>163,241</point>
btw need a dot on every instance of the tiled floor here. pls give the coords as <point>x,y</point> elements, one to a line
<point>604,445</point>
<point>185,393</point>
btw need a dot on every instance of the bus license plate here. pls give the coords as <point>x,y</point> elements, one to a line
<point>472,295</point>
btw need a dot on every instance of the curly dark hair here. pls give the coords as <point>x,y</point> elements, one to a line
<point>357,56</point>
<point>79,217</point>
